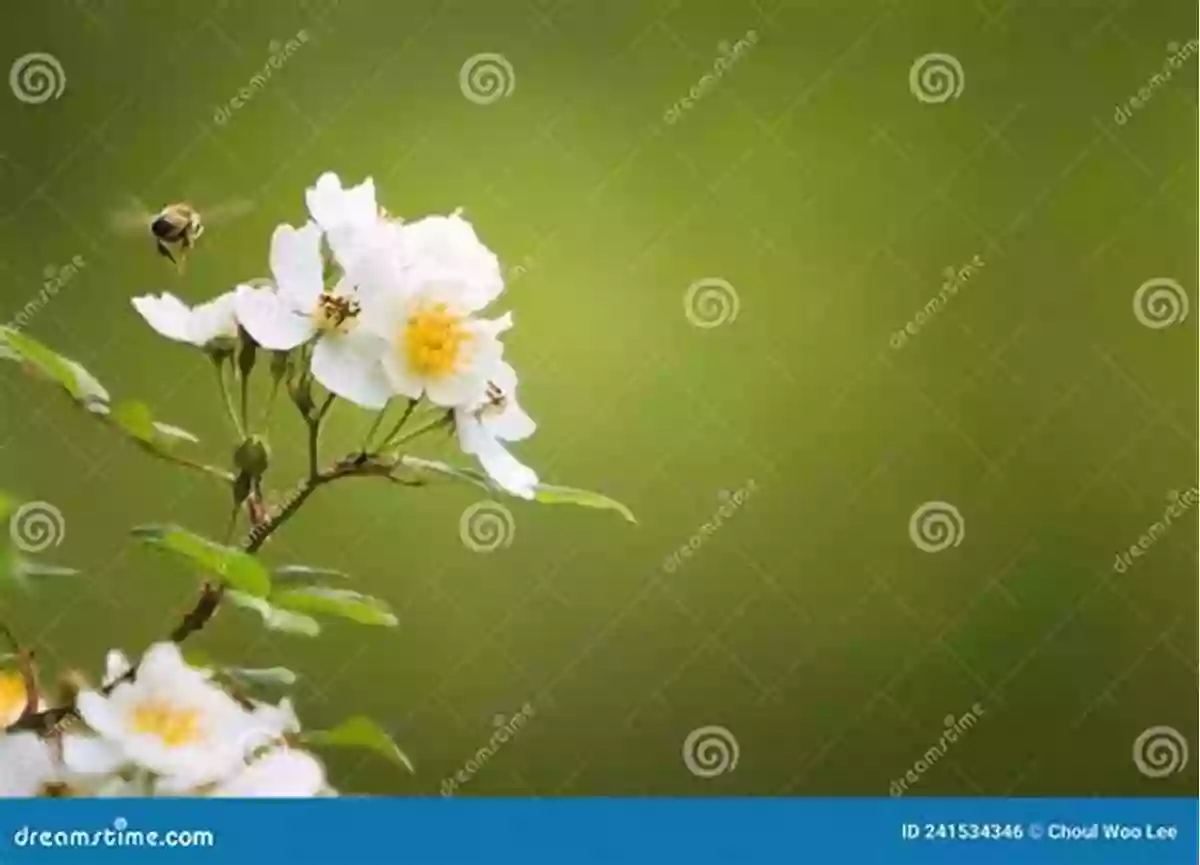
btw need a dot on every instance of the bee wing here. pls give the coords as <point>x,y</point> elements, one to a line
<point>226,211</point>
<point>133,218</point>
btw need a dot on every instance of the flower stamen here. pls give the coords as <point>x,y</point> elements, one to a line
<point>336,313</point>
<point>175,727</point>
<point>433,341</point>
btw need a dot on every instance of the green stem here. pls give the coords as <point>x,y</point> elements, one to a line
<point>429,426</point>
<point>244,383</point>
<point>395,430</point>
<point>374,427</point>
<point>227,398</point>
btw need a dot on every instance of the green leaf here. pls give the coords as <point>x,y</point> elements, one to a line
<point>275,619</point>
<point>71,376</point>
<point>359,732</point>
<point>336,602</point>
<point>237,569</point>
<point>262,677</point>
<point>554,495</point>
<point>470,476</point>
<point>305,575</point>
<point>137,420</point>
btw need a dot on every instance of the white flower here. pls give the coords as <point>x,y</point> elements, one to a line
<point>426,286</point>
<point>26,765</point>
<point>347,216</point>
<point>171,720</point>
<point>346,357</point>
<point>209,325</point>
<point>498,418</point>
<point>279,774</point>
<point>13,698</point>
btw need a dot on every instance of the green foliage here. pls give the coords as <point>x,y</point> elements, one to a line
<point>293,575</point>
<point>237,569</point>
<point>275,619</point>
<point>319,600</point>
<point>549,494</point>
<point>69,375</point>
<point>359,732</point>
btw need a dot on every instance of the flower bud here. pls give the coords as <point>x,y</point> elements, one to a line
<point>252,457</point>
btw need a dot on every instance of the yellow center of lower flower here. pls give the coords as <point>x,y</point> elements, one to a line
<point>12,695</point>
<point>176,727</point>
<point>335,313</point>
<point>433,340</point>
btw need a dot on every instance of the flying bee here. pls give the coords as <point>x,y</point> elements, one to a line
<point>176,227</point>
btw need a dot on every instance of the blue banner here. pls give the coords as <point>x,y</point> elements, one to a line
<point>594,831</point>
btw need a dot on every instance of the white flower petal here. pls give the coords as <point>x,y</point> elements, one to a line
<point>167,314</point>
<point>401,378</point>
<point>27,765</point>
<point>351,366</point>
<point>91,755</point>
<point>116,665</point>
<point>279,774</point>
<point>297,264</point>
<point>271,319</point>
<point>515,477</point>
<point>213,321</point>
<point>446,249</point>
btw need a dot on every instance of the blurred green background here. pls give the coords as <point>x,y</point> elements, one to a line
<point>813,180</point>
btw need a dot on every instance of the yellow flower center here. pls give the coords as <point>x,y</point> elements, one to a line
<point>434,340</point>
<point>12,696</point>
<point>176,727</point>
<point>335,313</point>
